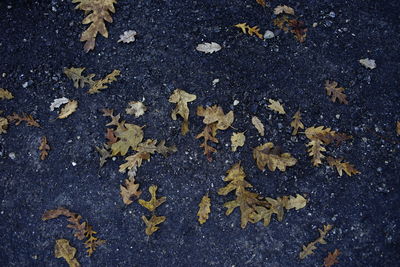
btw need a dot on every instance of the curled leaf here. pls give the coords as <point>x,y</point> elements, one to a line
<point>208,48</point>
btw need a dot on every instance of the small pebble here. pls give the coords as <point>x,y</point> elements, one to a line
<point>337,116</point>
<point>269,35</point>
<point>12,155</point>
<point>25,84</point>
<point>236,102</point>
<point>73,163</point>
<point>332,14</point>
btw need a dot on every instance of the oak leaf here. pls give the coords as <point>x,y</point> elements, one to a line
<point>271,156</point>
<point>216,114</point>
<point>297,202</point>
<point>44,148</point>
<point>64,250</point>
<point>261,2</point>
<point>249,30</point>
<point>129,190</point>
<point>68,109</point>
<point>296,123</point>
<point>104,152</point>
<point>181,98</point>
<point>127,37</point>
<point>30,121</point>
<point>208,47</point>
<point>204,209</point>
<point>75,74</point>
<point>340,166</point>
<point>283,9</point>
<point>129,136</point>
<point>102,84</point>
<point>258,124</point>
<point>335,92</point>
<point>3,125</point>
<point>151,225</point>
<point>309,249</point>
<point>209,133</point>
<point>154,202</point>
<point>97,12</point>
<point>331,259</point>
<point>276,106</point>
<point>315,151</point>
<point>136,108</point>
<point>92,242</point>
<point>237,140</point>
<point>5,94</point>
<point>299,29</point>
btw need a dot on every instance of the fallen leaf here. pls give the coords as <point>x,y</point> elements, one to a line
<point>104,154</point>
<point>44,148</point>
<point>151,225</point>
<point>296,123</point>
<point>368,63</point>
<point>261,2</point>
<point>237,139</point>
<point>242,26</point>
<point>276,106</point>
<point>127,37</point>
<point>97,13</point>
<point>335,92</point>
<point>309,249</point>
<point>315,151</point>
<point>258,124</point>
<point>64,250</point>
<point>283,9</point>
<point>58,102</point>
<point>271,156</point>
<point>181,98</point>
<point>331,259</point>
<point>136,108</point>
<point>129,190</point>
<point>204,209</point>
<point>3,125</point>
<point>340,166</point>
<point>397,127</point>
<point>297,202</point>
<point>249,30</point>
<point>92,242</point>
<point>209,132</point>
<point>5,94</point>
<point>154,202</point>
<point>299,29</point>
<point>30,121</point>
<point>101,84</point>
<point>216,114</point>
<point>282,22</point>
<point>129,136</point>
<point>208,47</point>
<point>68,109</point>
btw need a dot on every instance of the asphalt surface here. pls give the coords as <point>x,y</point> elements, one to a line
<point>39,38</point>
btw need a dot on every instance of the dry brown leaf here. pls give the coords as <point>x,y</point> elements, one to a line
<point>331,259</point>
<point>3,125</point>
<point>208,134</point>
<point>154,202</point>
<point>315,151</point>
<point>5,94</point>
<point>68,109</point>
<point>309,249</point>
<point>282,22</point>
<point>64,250</point>
<point>97,13</point>
<point>237,140</point>
<point>276,106</point>
<point>271,156</point>
<point>181,98</point>
<point>335,92</point>
<point>258,124</point>
<point>397,127</point>
<point>151,225</point>
<point>261,2</point>
<point>129,190</point>
<point>216,114</point>
<point>30,121</point>
<point>283,9</point>
<point>299,29</point>
<point>44,148</point>
<point>92,242</point>
<point>340,166</point>
<point>136,108</point>
<point>204,209</point>
<point>127,37</point>
<point>112,139</point>
<point>296,123</point>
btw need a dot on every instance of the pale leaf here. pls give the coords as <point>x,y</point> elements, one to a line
<point>258,124</point>
<point>276,106</point>
<point>127,37</point>
<point>208,47</point>
<point>68,109</point>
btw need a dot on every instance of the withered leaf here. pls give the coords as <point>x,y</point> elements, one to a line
<point>58,102</point>
<point>30,121</point>
<point>104,154</point>
<point>335,92</point>
<point>237,140</point>
<point>299,29</point>
<point>242,26</point>
<point>44,148</point>
<point>154,202</point>
<point>341,166</point>
<point>129,136</point>
<point>216,114</point>
<point>5,94</point>
<point>111,137</point>
<point>102,84</point>
<point>97,12</point>
<point>127,37</point>
<point>261,2</point>
<point>68,109</point>
<point>75,74</point>
<point>315,151</point>
<point>181,98</point>
<point>296,123</point>
<point>276,106</point>
<point>309,249</point>
<point>129,190</point>
<point>283,9</point>
<point>258,124</point>
<point>331,259</point>
<point>297,202</point>
<point>209,133</point>
<point>92,242</point>
<point>136,108</point>
<point>282,22</point>
<point>64,250</point>
<point>208,48</point>
<point>3,125</point>
<point>151,225</point>
<point>204,209</point>
<point>397,127</point>
<point>271,156</point>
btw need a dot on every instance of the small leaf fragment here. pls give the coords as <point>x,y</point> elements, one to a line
<point>296,123</point>
<point>68,109</point>
<point>64,250</point>
<point>136,108</point>
<point>281,9</point>
<point>127,37</point>
<point>181,98</point>
<point>309,249</point>
<point>208,48</point>
<point>335,92</point>
<point>261,2</point>
<point>58,102</point>
<point>44,148</point>
<point>249,30</point>
<point>3,125</point>
<point>151,225</point>
<point>154,202</point>
<point>101,84</point>
<point>237,140</point>
<point>258,124</point>
<point>276,106</point>
<point>5,94</point>
<point>398,128</point>
<point>368,63</point>
<point>204,209</point>
<point>331,259</point>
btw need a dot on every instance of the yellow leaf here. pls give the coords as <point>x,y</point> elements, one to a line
<point>5,94</point>
<point>129,136</point>
<point>335,92</point>
<point>348,168</point>
<point>216,114</point>
<point>204,209</point>
<point>309,249</point>
<point>315,151</point>
<point>258,124</point>
<point>129,190</point>
<point>283,9</point>
<point>3,125</point>
<point>151,225</point>
<point>255,30</point>
<point>153,203</point>
<point>243,27</point>
<point>101,84</point>
<point>276,106</point>
<point>297,202</point>
<point>237,140</point>
<point>271,156</point>
<point>296,123</point>
<point>181,98</point>
<point>64,250</point>
<point>68,109</point>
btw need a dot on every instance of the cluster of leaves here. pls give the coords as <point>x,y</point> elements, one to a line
<point>82,229</point>
<point>215,119</point>
<point>152,205</point>
<point>64,250</point>
<point>80,81</point>
<point>97,13</point>
<point>44,148</point>
<point>309,249</point>
<point>253,207</point>
<point>246,29</point>
<point>286,21</point>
